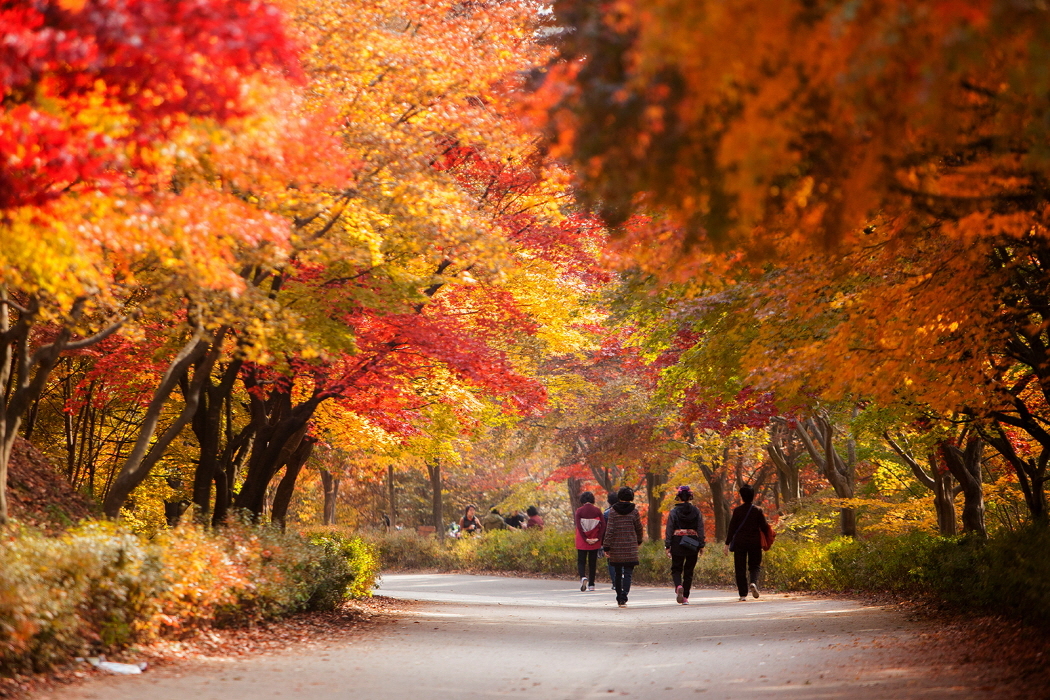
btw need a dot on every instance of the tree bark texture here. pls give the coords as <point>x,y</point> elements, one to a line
<point>330,484</point>
<point>654,518</point>
<point>286,487</point>
<point>965,466</point>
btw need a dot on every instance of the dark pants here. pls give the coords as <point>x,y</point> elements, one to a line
<point>610,565</point>
<point>590,558</point>
<point>682,570</point>
<point>622,574</point>
<point>748,561</point>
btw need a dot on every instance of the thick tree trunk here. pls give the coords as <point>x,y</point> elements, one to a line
<point>784,450</point>
<point>654,518</point>
<point>283,496</point>
<point>434,471</point>
<point>965,466</point>
<point>330,484</point>
<point>572,485</point>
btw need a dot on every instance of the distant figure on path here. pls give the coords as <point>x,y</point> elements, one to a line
<point>493,521</point>
<point>590,527</point>
<point>684,542</point>
<point>612,500</point>
<point>469,523</point>
<point>535,520</point>
<point>623,535</point>
<point>744,541</point>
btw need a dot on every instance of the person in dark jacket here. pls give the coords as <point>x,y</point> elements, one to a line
<point>623,535</point>
<point>684,521</point>
<point>590,528</point>
<point>743,539</point>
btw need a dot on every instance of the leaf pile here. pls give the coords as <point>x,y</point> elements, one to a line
<point>39,495</point>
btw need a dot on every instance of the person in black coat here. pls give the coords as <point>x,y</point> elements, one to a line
<point>744,540</point>
<point>684,521</point>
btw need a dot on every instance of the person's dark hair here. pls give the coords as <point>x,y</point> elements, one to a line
<point>586,497</point>
<point>467,509</point>
<point>611,498</point>
<point>626,493</point>
<point>531,510</point>
<point>747,493</point>
<point>684,494</point>
<point>494,510</point>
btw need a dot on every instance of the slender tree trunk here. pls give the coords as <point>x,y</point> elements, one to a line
<point>938,481</point>
<point>143,455</point>
<point>434,471</point>
<point>817,435</point>
<point>391,493</point>
<point>331,493</point>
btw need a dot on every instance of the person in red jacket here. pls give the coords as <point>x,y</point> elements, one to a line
<point>590,529</point>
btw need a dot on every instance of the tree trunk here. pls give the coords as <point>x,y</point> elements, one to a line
<point>434,470</point>
<point>784,449</point>
<point>817,435</point>
<point>143,456</point>
<point>938,481</point>
<point>331,493</point>
<point>391,493</point>
<point>654,518</point>
<point>572,485</point>
<point>283,496</point>
<point>965,466</point>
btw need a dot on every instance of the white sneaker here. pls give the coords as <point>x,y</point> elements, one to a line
<point>743,598</point>
<point>590,589</point>
<point>583,584</point>
<point>679,594</point>
<point>754,590</point>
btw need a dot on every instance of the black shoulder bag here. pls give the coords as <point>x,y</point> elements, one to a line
<point>732,540</point>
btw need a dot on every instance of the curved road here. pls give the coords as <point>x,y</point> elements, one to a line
<point>494,637</point>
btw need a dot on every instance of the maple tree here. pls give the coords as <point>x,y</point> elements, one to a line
<point>869,177</point>
<point>85,107</point>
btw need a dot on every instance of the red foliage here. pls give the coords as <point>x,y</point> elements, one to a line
<point>157,61</point>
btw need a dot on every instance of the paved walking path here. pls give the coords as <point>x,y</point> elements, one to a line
<point>494,637</point>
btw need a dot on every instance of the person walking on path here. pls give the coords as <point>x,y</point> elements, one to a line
<point>684,542</point>
<point>590,527</point>
<point>469,524</point>
<point>612,500</point>
<point>745,542</point>
<point>623,535</point>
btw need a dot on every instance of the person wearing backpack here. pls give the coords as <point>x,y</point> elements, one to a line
<point>623,536</point>
<point>590,528</point>
<point>684,542</point>
<point>744,540</point>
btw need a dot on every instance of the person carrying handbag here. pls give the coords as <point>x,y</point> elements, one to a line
<point>684,542</point>
<point>744,540</point>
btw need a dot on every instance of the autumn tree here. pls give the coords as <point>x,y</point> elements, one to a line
<point>90,89</point>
